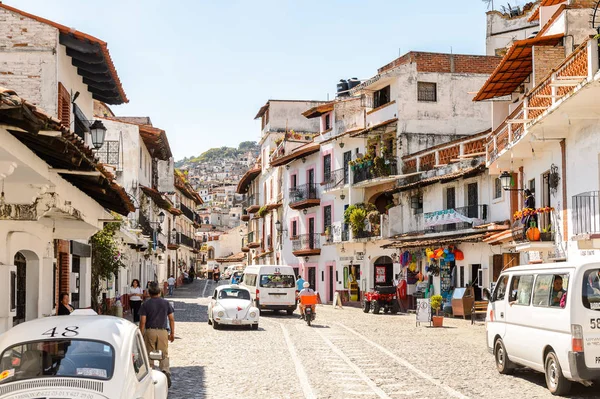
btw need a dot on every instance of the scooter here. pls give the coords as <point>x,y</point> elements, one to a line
<point>309,315</point>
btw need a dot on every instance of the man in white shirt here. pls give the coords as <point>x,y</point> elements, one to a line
<point>309,292</point>
<point>171,281</point>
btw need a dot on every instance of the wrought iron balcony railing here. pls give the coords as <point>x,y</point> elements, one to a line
<point>372,169</point>
<point>187,212</point>
<point>335,178</point>
<point>586,213</point>
<point>304,192</point>
<point>305,242</point>
<point>186,240</point>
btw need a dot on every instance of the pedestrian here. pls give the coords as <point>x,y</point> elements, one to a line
<point>135,299</point>
<point>154,314</point>
<point>171,282</point>
<point>192,273</point>
<point>64,307</point>
<point>299,284</point>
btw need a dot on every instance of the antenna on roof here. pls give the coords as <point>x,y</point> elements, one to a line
<point>490,4</point>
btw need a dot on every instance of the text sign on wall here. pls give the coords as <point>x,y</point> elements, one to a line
<point>423,311</point>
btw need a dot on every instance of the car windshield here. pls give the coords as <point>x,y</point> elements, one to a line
<point>234,294</point>
<point>277,281</point>
<point>64,358</point>
<point>591,289</point>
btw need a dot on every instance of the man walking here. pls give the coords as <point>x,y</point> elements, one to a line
<point>171,282</point>
<point>153,319</point>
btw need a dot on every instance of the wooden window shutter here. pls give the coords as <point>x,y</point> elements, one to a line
<point>64,106</point>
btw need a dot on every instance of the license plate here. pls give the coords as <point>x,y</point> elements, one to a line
<point>236,322</point>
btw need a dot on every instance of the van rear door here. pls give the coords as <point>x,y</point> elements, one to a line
<point>277,289</point>
<point>590,297</point>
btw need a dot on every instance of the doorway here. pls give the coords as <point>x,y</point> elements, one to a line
<point>311,233</point>
<point>544,218</point>
<point>20,292</point>
<point>330,284</point>
<point>475,281</point>
<point>76,269</point>
<point>450,204</point>
<point>347,159</point>
<point>472,200</point>
<point>383,271</point>
<point>312,277</point>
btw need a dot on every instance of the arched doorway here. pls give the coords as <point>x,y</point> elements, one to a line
<point>383,271</point>
<point>19,286</point>
<point>211,253</point>
<point>382,202</point>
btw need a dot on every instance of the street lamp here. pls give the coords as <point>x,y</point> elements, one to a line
<point>98,132</point>
<point>506,180</point>
<point>241,232</point>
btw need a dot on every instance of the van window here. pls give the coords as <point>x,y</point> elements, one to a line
<point>549,289</point>
<point>250,279</point>
<point>501,287</point>
<point>520,292</point>
<point>591,289</point>
<point>277,281</point>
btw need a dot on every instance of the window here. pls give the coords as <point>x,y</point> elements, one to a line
<point>294,228</point>
<point>64,106</point>
<point>520,292</point>
<point>591,289</point>
<point>326,217</point>
<point>381,97</point>
<point>327,168</point>
<point>531,185</point>
<point>327,121</point>
<point>139,362</point>
<point>500,291</point>
<point>277,281</point>
<point>250,279</point>
<point>109,153</point>
<point>497,188</point>
<point>426,91</point>
<point>416,203</point>
<point>549,289</point>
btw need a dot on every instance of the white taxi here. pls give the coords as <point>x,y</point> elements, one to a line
<point>232,304</point>
<point>72,356</point>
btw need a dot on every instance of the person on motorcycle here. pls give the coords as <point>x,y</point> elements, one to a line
<point>306,291</point>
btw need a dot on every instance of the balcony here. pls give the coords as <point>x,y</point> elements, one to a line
<point>456,219</point>
<point>245,247</point>
<point>528,240</point>
<point>336,179</point>
<point>253,205</point>
<point>374,172</point>
<point>245,216</point>
<point>586,220</point>
<point>174,240</point>
<point>536,116</point>
<point>382,113</point>
<point>252,242</point>
<point>186,240</point>
<point>304,196</point>
<point>306,245</point>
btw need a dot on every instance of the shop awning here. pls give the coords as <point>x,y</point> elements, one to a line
<point>423,241</point>
<point>514,68</point>
<point>245,181</point>
<point>297,153</point>
<point>448,216</point>
<point>381,128</point>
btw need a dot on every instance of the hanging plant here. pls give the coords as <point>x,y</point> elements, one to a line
<point>262,212</point>
<point>553,179</point>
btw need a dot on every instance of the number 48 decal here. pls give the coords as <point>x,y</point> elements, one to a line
<point>70,331</point>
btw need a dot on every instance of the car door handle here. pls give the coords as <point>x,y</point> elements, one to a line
<point>502,314</point>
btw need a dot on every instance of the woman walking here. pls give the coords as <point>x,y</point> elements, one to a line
<point>135,299</point>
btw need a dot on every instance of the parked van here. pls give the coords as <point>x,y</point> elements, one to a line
<point>271,287</point>
<point>547,317</point>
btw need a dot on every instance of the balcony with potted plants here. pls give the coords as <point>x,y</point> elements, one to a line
<point>586,220</point>
<point>304,196</point>
<point>306,244</point>
<point>533,229</point>
<point>372,170</point>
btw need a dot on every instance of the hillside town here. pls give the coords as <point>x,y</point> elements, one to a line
<point>446,190</point>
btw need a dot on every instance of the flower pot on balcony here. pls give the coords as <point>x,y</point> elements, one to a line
<point>437,321</point>
<point>546,236</point>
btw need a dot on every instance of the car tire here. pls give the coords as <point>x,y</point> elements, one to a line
<point>503,364</point>
<point>255,326</point>
<point>555,380</point>
<point>215,325</point>
<point>290,312</point>
<point>376,307</point>
<point>209,321</point>
<point>366,306</point>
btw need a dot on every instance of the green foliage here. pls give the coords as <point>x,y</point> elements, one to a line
<point>436,302</point>
<point>262,212</point>
<point>366,207</point>
<point>106,258</point>
<point>215,154</point>
<point>357,220</point>
<point>248,146</point>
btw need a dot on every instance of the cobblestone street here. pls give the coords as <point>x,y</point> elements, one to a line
<point>346,354</point>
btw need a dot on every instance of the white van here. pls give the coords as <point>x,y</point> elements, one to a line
<point>547,317</point>
<point>271,287</point>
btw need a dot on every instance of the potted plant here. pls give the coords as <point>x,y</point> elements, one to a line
<point>436,303</point>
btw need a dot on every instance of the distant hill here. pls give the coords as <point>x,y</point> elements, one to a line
<point>220,153</point>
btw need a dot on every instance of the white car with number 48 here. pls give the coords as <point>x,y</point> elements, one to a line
<point>232,304</point>
<point>95,357</point>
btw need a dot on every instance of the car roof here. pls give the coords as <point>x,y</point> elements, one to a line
<point>109,329</point>
<point>541,267</point>
<point>232,286</point>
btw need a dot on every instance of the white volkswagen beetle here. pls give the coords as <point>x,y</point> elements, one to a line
<point>232,304</point>
<point>77,357</point>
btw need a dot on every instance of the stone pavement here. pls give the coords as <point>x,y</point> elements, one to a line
<point>346,354</point>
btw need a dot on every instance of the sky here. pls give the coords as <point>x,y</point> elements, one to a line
<point>202,69</point>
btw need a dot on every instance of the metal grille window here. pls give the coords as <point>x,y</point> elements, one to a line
<point>497,188</point>
<point>109,153</point>
<point>427,91</point>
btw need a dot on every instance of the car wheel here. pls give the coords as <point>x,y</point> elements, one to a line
<point>555,380</point>
<point>503,365</point>
<point>209,321</point>
<point>215,325</point>
<point>255,326</point>
<point>290,312</point>
<point>376,307</point>
<point>366,306</point>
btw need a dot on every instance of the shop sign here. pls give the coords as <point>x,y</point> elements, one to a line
<point>380,274</point>
<point>423,310</point>
<point>360,255</point>
<point>346,258</point>
<point>336,231</point>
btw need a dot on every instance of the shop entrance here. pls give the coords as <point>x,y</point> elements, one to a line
<point>476,283</point>
<point>383,271</point>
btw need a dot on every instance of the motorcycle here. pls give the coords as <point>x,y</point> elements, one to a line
<point>309,315</point>
<point>308,301</point>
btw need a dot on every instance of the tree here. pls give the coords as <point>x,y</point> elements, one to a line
<point>247,145</point>
<point>106,259</point>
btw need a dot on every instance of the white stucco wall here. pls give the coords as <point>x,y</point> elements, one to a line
<point>67,75</point>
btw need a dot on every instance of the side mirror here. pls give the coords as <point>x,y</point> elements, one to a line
<point>156,355</point>
<point>486,295</point>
